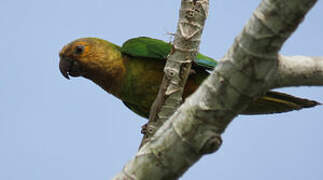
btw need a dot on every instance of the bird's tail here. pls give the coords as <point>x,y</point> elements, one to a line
<point>276,102</point>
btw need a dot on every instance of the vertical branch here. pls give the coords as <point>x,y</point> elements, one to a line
<point>192,17</point>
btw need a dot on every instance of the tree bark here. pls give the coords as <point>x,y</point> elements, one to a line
<point>247,71</point>
<point>192,16</point>
<point>299,71</point>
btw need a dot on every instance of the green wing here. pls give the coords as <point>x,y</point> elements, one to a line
<point>158,49</point>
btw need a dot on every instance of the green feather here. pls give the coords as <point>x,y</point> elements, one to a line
<point>158,49</point>
<point>135,77</point>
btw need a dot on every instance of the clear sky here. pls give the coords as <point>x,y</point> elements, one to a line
<point>52,128</point>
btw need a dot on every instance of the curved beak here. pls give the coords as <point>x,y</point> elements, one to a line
<point>65,67</point>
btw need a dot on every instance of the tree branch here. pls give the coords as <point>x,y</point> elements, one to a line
<point>243,74</point>
<point>176,71</point>
<point>299,71</point>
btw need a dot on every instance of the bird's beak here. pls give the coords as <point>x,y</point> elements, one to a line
<point>65,66</point>
<point>70,67</point>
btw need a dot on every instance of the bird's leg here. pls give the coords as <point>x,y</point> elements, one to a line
<point>147,130</point>
<point>144,129</point>
<point>192,71</point>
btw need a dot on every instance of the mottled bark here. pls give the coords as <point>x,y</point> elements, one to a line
<point>192,17</point>
<point>299,71</point>
<point>245,72</point>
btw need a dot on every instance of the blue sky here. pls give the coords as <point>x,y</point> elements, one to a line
<point>51,128</point>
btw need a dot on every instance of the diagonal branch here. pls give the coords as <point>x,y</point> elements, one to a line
<point>244,73</point>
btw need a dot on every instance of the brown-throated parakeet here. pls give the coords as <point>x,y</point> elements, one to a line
<point>133,73</point>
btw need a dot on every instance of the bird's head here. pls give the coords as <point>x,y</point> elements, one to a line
<point>87,55</point>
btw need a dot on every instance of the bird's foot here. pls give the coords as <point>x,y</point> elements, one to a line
<point>192,71</point>
<point>144,129</point>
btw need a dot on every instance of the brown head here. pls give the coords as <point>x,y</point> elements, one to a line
<point>93,58</point>
<point>84,55</point>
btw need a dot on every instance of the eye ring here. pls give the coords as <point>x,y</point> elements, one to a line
<point>79,49</point>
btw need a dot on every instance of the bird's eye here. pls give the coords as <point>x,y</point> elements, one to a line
<point>79,49</point>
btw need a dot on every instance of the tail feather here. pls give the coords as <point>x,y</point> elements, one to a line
<point>276,102</point>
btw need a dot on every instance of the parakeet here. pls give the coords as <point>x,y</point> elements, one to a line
<point>133,73</point>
